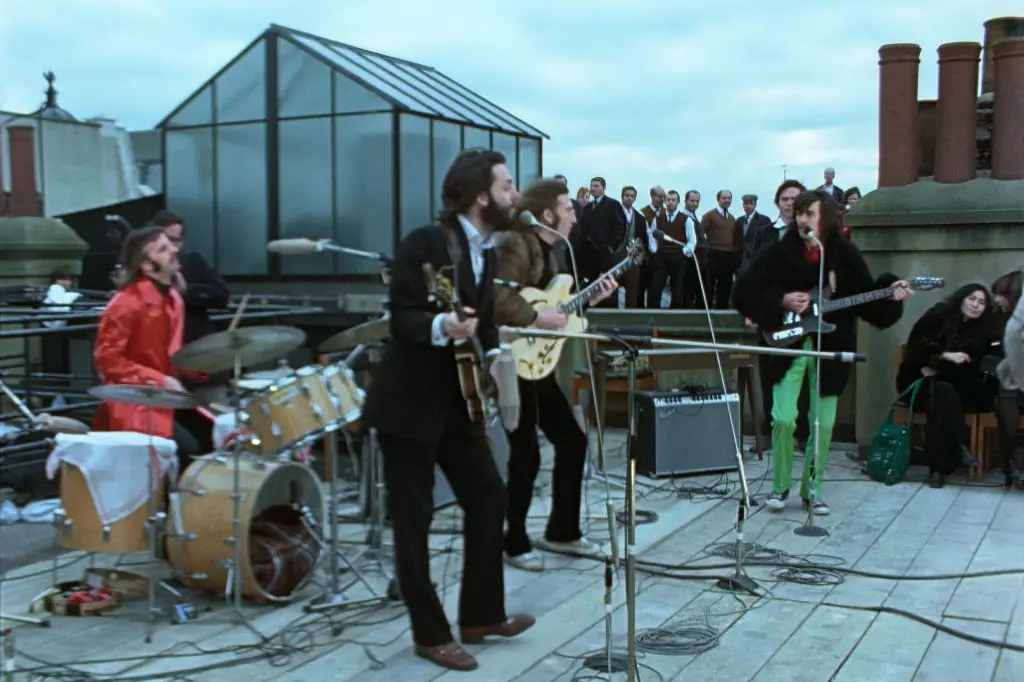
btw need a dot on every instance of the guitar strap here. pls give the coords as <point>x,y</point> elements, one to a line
<point>454,254</point>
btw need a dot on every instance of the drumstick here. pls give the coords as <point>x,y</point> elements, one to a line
<point>238,313</point>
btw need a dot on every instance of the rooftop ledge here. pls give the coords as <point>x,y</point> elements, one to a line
<point>928,203</point>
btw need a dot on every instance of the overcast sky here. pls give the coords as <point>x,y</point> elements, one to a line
<point>718,95</point>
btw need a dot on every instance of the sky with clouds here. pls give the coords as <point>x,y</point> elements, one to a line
<point>716,95</point>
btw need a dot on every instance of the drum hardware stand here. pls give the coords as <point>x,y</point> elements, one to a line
<point>8,635</point>
<point>335,597</point>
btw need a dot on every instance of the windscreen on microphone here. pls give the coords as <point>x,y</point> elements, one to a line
<point>527,218</point>
<point>293,247</point>
<point>658,234</point>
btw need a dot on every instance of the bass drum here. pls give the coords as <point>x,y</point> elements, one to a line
<point>281,511</point>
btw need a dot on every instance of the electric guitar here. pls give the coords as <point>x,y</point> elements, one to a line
<point>536,358</point>
<point>478,389</point>
<point>797,326</point>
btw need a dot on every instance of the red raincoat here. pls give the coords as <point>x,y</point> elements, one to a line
<point>139,332</point>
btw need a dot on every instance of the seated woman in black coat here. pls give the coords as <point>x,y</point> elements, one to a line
<point>945,347</point>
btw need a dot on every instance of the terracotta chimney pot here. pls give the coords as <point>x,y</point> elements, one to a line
<point>956,139</point>
<point>1008,110</point>
<point>897,119</point>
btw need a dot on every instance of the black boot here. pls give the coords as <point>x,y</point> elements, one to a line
<point>936,480</point>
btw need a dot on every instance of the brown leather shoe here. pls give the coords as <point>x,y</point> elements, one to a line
<point>450,655</point>
<point>515,625</point>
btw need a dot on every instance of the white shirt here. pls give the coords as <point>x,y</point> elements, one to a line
<point>477,245</point>
<point>691,233</point>
<point>781,224</point>
<point>62,298</point>
<point>652,243</point>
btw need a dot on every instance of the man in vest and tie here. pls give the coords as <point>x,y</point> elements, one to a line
<point>650,245</point>
<point>671,262</point>
<point>692,296</point>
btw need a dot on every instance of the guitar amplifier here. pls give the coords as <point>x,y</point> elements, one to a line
<point>686,434</point>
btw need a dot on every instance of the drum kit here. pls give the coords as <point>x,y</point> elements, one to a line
<point>271,542</point>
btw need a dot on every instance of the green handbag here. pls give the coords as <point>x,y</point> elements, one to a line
<point>889,456</point>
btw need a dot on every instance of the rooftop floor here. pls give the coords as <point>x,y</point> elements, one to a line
<point>793,632</point>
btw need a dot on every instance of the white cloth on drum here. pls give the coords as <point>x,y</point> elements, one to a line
<point>223,430</point>
<point>115,465</point>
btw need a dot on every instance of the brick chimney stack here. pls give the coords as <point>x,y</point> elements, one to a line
<point>996,30</point>
<point>897,120</point>
<point>24,193</point>
<point>1008,111</point>
<point>956,143</point>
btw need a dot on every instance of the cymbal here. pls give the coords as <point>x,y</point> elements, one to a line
<point>55,424</point>
<point>147,396</point>
<point>367,332</point>
<point>253,345</point>
<point>269,374</point>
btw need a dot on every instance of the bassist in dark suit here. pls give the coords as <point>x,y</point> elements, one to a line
<point>415,402</point>
<point>779,281</point>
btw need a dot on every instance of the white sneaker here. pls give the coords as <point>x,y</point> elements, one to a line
<point>531,561</point>
<point>582,547</point>
<point>776,501</point>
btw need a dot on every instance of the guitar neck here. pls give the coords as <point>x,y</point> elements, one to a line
<point>574,305</point>
<point>857,299</point>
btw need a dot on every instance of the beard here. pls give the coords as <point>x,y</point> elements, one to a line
<point>496,216</point>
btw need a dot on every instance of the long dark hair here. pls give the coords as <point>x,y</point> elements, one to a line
<point>471,173</point>
<point>1009,286</point>
<point>133,253</point>
<point>828,211</point>
<point>954,325</point>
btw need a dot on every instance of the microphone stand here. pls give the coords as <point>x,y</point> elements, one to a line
<point>810,530</point>
<point>371,255</point>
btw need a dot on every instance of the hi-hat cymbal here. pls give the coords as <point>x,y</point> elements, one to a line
<point>147,396</point>
<point>253,345</point>
<point>56,424</point>
<point>367,332</point>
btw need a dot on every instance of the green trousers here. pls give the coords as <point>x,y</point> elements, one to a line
<point>785,395</point>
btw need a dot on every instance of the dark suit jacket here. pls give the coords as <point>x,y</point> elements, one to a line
<point>757,221</point>
<point>415,389</point>
<point>837,192</point>
<point>603,229</point>
<point>205,291</point>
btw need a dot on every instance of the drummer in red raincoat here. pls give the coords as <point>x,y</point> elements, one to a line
<point>140,330</point>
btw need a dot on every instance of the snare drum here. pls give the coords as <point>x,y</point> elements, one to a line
<point>281,509</point>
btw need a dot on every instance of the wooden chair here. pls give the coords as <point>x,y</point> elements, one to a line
<point>988,427</point>
<point>901,416</point>
<point>615,383</point>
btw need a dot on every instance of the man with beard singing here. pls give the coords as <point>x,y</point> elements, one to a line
<point>417,407</point>
<point>524,255</point>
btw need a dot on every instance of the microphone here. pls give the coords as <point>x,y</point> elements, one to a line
<point>303,247</point>
<point>296,247</point>
<point>660,236</point>
<point>514,286</point>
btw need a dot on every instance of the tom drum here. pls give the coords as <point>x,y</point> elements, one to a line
<point>282,507</point>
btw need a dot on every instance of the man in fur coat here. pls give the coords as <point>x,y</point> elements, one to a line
<point>524,255</point>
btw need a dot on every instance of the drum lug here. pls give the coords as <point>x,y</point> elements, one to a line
<point>61,520</point>
<point>159,519</point>
<point>106,533</point>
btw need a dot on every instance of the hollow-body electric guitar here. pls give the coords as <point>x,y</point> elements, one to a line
<point>478,389</point>
<point>797,326</point>
<point>536,358</point>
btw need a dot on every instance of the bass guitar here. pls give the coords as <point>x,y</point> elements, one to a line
<point>797,326</point>
<point>536,358</point>
<point>478,389</point>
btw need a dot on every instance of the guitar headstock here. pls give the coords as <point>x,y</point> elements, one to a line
<point>440,288</point>
<point>927,283</point>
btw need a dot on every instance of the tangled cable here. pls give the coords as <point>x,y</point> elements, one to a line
<point>678,639</point>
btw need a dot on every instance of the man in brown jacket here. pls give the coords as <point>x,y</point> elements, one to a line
<point>524,256</point>
<point>725,250</point>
